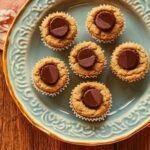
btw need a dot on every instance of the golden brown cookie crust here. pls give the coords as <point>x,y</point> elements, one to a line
<point>63,73</point>
<point>130,75</point>
<point>81,109</point>
<point>99,34</point>
<point>56,42</point>
<point>97,68</point>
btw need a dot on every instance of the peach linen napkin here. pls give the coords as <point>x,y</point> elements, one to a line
<point>8,10</point>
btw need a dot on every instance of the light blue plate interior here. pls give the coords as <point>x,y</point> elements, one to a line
<point>131,102</point>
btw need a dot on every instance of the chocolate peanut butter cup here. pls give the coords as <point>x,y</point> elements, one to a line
<point>105,23</point>
<point>91,101</point>
<point>59,27</point>
<point>92,98</point>
<point>105,20</point>
<point>129,62</point>
<point>50,76</point>
<point>87,59</point>
<point>128,59</point>
<point>58,30</point>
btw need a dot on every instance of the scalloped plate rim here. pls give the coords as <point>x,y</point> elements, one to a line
<point>34,122</point>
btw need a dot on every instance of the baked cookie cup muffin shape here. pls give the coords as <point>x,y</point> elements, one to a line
<point>87,59</point>
<point>91,101</point>
<point>58,30</point>
<point>50,76</point>
<point>130,62</point>
<point>105,23</point>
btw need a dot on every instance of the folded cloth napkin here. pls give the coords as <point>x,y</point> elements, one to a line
<point>8,10</point>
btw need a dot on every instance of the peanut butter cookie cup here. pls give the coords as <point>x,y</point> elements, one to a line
<point>87,59</point>
<point>91,101</point>
<point>130,62</point>
<point>58,30</point>
<point>50,76</point>
<point>105,23</point>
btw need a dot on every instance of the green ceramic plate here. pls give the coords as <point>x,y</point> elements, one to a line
<point>131,102</point>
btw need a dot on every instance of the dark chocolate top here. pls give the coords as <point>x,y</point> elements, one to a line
<point>105,20</point>
<point>128,59</point>
<point>86,58</point>
<point>49,74</point>
<point>58,27</point>
<point>92,98</point>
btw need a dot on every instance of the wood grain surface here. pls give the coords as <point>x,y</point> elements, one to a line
<point>16,133</point>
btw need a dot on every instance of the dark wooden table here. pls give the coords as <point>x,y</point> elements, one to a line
<point>16,133</point>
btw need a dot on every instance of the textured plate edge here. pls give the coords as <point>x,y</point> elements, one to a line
<point>37,124</point>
